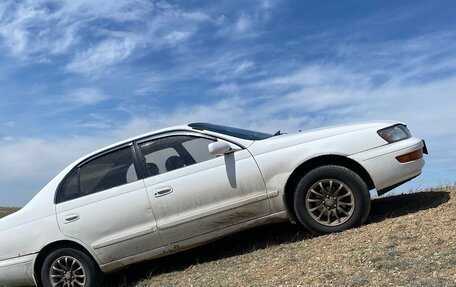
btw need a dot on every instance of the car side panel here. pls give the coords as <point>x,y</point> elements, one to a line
<point>28,238</point>
<point>19,247</point>
<point>17,271</point>
<point>208,196</point>
<point>115,223</point>
<point>278,157</point>
<point>383,167</point>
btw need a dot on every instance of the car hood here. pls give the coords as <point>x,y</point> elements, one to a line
<point>291,139</point>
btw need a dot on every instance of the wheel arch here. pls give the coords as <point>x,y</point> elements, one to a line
<point>309,165</point>
<point>54,246</point>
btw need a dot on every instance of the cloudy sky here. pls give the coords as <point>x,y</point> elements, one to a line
<point>77,75</point>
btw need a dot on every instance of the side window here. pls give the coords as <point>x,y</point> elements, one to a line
<point>174,152</point>
<point>107,171</point>
<point>197,148</point>
<point>70,188</point>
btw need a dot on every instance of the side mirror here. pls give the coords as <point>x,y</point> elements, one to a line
<point>219,148</point>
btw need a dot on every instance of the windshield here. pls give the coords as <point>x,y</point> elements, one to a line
<point>235,132</point>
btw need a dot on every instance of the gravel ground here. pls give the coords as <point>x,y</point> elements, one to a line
<point>410,240</point>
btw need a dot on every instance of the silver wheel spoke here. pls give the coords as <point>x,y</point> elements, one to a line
<point>323,202</point>
<point>315,200</point>
<point>317,193</point>
<point>337,191</point>
<point>321,213</point>
<point>345,203</point>
<point>343,211</point>
<point>322,188</point>
<point>315,208</point>
<point>79,268</point>
<point>57,283</point>
<point>57,269</point>
<point>72,264</point>
<point>63,272</point>
<point>337,216</point>
<point>343,196</point>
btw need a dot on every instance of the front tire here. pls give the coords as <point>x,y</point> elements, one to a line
<point>330,199</point>
<point>70,267</point>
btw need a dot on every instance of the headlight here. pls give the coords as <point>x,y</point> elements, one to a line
<point>394,133</point>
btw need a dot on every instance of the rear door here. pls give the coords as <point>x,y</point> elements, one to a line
<point>104,204</point>
<point>193,192</point>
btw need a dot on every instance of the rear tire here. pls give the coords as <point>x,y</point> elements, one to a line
<point>330,199</point>
<point>70,267</point>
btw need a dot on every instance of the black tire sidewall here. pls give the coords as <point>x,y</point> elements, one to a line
<point>91,269</point>
<point>351,179</point>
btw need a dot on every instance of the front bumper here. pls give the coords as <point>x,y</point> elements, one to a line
<point>385,170</point>
<point>17,271</point>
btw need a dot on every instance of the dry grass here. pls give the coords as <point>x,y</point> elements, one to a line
<point>4,211</point>
<point>410,240</point>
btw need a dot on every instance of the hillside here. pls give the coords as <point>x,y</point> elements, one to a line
<point>4,211</point>
<point>409,240</point>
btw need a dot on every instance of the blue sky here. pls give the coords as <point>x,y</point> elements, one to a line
<point>77,75</point>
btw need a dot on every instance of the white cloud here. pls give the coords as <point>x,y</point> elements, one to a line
<point>244,67</point>
<point>83,96</point>
<point>177,36</point>
<point>195,16</point>
<point>243,24</point>
<point>98,58</point>
<point>100,34</point>
<point>10,124</point>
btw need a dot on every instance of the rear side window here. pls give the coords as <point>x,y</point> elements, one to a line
<point>104,172</point>
<point>107,171</point>
<point>70,188</point>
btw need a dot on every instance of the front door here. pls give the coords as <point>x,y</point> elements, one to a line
<point>193,192</point>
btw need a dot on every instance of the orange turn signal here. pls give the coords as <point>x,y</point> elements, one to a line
<point>414,155</point>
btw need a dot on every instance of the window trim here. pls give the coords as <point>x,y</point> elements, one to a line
<point>166,135</point>
<point>78,166</point>
<point>140,167</point>
<point>174,133</point>
<point>57,197</point>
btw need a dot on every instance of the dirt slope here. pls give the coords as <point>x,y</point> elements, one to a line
<point>410,240</point>
<point>4,211</point>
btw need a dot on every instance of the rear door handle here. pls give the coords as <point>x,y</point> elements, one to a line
<point>163,191</point>
<point>71,218</point>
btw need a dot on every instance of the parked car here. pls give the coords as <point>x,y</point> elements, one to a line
<point>180,187</point>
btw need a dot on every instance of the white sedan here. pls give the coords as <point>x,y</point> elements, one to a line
<point>180,187</point>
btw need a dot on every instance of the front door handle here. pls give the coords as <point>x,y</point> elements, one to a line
<point>71,218</point>
<point>163,191</point>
